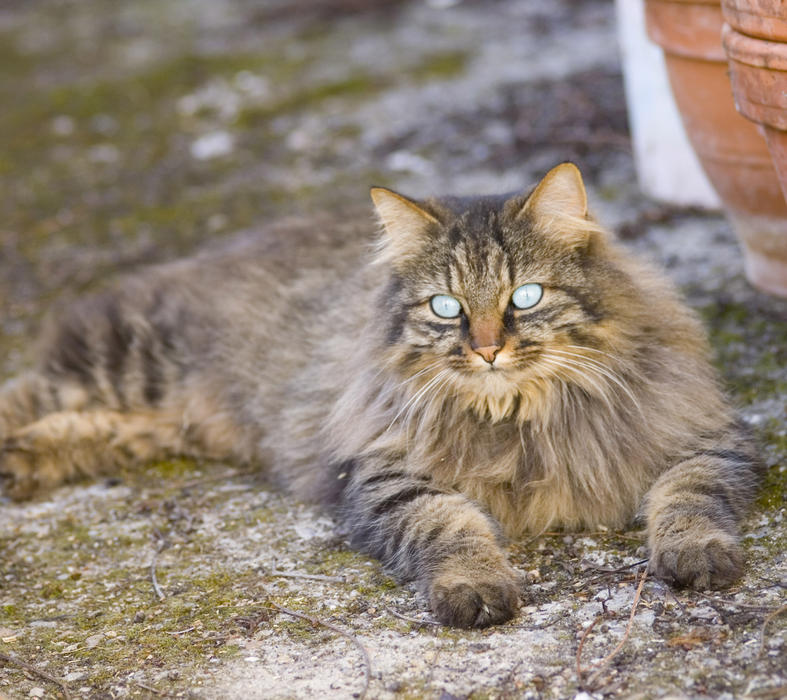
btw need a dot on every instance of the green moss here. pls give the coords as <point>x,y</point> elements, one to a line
<point>350,88</point>
<point>171,468</point>
<point>440,66</point>
<point>750,350</point>
<point>773,493</point>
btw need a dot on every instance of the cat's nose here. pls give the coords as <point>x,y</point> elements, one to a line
<point>488,352</point>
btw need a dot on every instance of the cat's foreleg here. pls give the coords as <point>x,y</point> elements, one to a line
<point>693,513</point>
<point>440,539</point>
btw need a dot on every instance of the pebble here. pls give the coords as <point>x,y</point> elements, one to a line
<point>212,145</point>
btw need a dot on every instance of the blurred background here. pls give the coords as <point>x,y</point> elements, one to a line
<point>131,131</point>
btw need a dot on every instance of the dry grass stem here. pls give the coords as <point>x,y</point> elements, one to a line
<point>308,577</point>
<point>159,593</point>
<point>765,623</point>
<point>36,672</point>
<point>317,622</point>
<point>601,665</point>
<point>414,620</point>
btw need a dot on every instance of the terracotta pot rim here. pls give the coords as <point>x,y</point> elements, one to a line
<point>760,53</point>
<point>764,19</point>
<point>688,28</point>
<point>689,2</point>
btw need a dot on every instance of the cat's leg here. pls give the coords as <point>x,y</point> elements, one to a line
<point>693,513</point>
<point>31,396</point>
<point>66,445</point>
<point>442,540</point>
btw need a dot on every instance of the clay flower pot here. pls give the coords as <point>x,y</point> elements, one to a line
<point>765,19</point>
<point>731,150</point>
<point>758,71</point>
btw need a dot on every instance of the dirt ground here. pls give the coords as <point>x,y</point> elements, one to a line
<point>131,132</point>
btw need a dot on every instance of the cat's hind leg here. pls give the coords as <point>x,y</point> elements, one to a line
<point>31,396</point>
<point>66,445</point>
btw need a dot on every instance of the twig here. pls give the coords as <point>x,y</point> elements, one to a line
<point>310,577</point>
<point>38,672</point>
<point>620,569</point>
<point>770,617</point>
<point>601,665</point>
<point>414,620</point>
<point>159,593</point>
<point>541,626</point>
<point>315,621</point>
<point>153,690</point>
<point>585,634</point>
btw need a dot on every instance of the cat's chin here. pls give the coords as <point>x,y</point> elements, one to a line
<point>490,394</point>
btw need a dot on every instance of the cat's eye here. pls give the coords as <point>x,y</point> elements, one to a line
<point>527,296</point>
<point>445,306</point>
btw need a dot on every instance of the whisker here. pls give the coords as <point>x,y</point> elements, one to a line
<point>415,397</point>
<point>589,374</point>
<point>605,371</point>
<point>569,365</point>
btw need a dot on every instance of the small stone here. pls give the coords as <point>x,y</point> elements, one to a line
<point>139,616</point>
<point>63,125</point>
<point>36,692</point>
<point>212,145</point>
<point>93,641</point>
<point>74,676</point>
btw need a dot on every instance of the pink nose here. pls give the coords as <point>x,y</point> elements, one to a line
<point>488,352</point>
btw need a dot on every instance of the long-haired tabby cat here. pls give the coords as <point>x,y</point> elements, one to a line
<point>499,366</point>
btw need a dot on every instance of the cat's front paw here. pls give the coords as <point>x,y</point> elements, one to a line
<point>475,598</point>
<point>699,559</point>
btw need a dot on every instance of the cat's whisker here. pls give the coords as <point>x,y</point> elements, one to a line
<point>427,398</point>
<point>416,396</point>
<point>435,393</point>
<point>605,371</point>
<point>586,375</point>
<point>420,373</point>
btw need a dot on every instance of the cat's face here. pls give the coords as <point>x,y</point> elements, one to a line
<point>491,296</point>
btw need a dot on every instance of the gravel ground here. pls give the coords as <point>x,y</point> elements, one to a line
<point>131,133</point>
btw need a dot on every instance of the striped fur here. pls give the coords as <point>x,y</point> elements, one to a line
<point>291,348</point>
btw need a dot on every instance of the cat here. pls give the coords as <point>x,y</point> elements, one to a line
<point>492,366</point>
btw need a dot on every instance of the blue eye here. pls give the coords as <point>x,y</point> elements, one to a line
<point>527,296</point>
<point>445,306</point>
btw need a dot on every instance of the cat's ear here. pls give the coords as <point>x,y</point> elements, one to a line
<point>559,206</point>
<point>404,222</point>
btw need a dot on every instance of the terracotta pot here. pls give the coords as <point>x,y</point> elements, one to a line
<point>765,19</point>
<point>758,72</point>
<point>731,150</point>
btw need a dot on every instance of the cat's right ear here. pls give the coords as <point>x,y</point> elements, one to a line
<point>404,223</point>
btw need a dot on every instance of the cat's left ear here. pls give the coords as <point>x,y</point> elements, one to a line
<point>405,223</point>
<point>558,206</point>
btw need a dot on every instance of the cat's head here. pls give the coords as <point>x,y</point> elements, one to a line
<point>491,297</point>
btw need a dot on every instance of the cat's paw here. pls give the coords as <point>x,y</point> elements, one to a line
<point>475,598</point>
<point>699,559</point>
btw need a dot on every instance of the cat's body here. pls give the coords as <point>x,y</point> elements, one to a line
<point>428,432</point>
